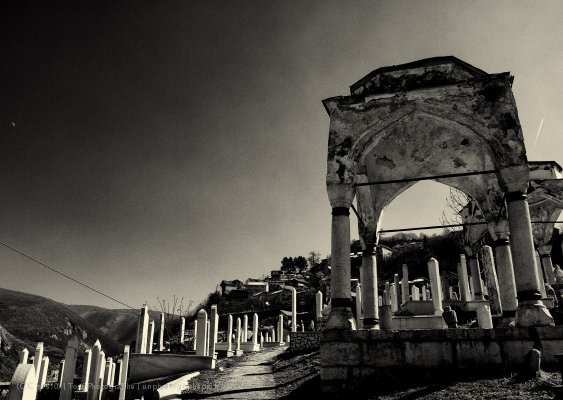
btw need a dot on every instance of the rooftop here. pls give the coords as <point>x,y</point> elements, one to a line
<point>427,72</point>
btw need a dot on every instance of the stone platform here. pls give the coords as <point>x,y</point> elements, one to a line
<point>418,322</point>
<point>352,359</point>
<point>274,344</point>
<point>249,347</point>
<point>150,366</point>
<point>426,307</point>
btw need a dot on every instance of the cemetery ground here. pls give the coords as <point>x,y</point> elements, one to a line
<point>278,374</point>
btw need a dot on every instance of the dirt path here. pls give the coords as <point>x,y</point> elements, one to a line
<point>250,376</point>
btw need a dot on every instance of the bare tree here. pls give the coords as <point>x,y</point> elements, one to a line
<point>455,202</point>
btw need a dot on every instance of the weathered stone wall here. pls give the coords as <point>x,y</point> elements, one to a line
<point>354,359</point>
<point>302,341</point>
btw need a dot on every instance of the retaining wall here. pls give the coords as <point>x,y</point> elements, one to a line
<point>302,341</point>
<point>351,360</point>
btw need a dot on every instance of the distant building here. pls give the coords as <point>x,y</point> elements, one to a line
<point>545,170</point>
<point>256,286</point>
<point>228,286</point>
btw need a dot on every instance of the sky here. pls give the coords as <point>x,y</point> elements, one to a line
<point>153,149</point>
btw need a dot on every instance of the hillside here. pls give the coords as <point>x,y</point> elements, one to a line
<point>27,319</point>
<point>119,324</point>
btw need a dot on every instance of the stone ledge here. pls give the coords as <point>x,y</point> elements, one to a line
<point>443,335</point>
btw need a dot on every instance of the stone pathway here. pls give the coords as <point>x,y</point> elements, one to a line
<point>250,378</point>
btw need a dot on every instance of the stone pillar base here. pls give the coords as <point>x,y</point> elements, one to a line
<point>533,314</point>
<point>371,324</point>
<point>341,318</point>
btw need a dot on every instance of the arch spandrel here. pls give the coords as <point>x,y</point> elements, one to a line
<point>420,144</point>
<point>546,204</point>
<point>485,106</point>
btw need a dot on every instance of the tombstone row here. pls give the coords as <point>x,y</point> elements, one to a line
<point>99,373</point>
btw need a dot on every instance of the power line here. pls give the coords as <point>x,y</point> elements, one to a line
<point>66,276</point>
<point>421,228</point>
<point>426,178</point>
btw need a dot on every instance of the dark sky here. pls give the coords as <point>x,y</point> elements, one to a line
<point>161,147</point>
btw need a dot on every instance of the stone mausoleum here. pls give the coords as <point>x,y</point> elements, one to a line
<point>442,118</point>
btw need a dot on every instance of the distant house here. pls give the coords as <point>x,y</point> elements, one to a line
<point>276,274</point>
<point>228,286</point>
<point>256,286</point>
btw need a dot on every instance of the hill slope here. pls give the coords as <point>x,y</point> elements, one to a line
<point>120,324</point>
<point>27,319</point>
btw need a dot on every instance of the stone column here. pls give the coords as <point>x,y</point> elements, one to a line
<point>405,285</point>
<point>445,285</point>
<point>161,333</point>
<point>119,368</point>
<point>24,354</point>
<point>340,316</point>
<point>67,373</point>
<point>261,339</point>
<point>293,309</point>
<point>543,292</point>
<point>86,369</point>
<point>182,329</point>
<point>319,305</point>
<point>463,282</point>
<point>37,359</point>
<point>280,328</point>
<point>255,329</point>
<point>491,280</point>
<point>239,329</point>
<point>150,338</point>
<point>142,330</point>
<point>387,294</point>
<point>359,324</point>
<point>435,285</point>
<point>415,294</point>
<point>201,332</point>
<point>558,273</point>
<point>244,338</point>
<point>195,336</point>
<point>93,386</point>
<point>112,375</point>
<point>397,283</point>
<point>547,264</point>
<point>476,276</point>
<point>394,297</point>
<point>101,375</point>
<point>23,383</point>
<point>43,373</point>
<point>123,373</point>
<point>230,333</point>
<point>107,372</point>
<point>531,310</point>
<point>423,292</point>
<point>207,338</point>
<point>484,319</point>
<point>505,274</point>
<point>369,296</point>
<point>61,372</point>
<point>214,328</point>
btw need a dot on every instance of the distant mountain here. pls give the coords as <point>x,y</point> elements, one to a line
<point>119,324</point>
<point>26,319</point>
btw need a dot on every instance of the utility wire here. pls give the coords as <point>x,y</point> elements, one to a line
<point>421,228</point>
<point>66,276</point>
